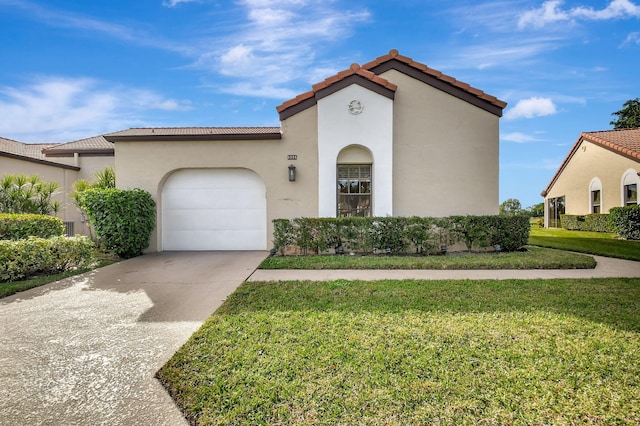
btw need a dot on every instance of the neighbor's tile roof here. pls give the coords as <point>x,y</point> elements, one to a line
<point>30,150</point>
<point>193,133</point>
<point>95,144</point>
<point>625,142</point>
<point>393,55</point>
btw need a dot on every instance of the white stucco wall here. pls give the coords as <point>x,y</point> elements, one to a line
<point>372,128</point>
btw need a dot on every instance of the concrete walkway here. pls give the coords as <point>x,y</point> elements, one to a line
<point>605,268</point>
<point>84,350</point>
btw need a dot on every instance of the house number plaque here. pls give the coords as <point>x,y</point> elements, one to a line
<point>292,157</point>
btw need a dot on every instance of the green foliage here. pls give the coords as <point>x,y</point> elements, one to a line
<point>20,259</point>
<point>28,194</point>
<point>15,226</point>
<point>625,221</point>
<point>399,234</point>
<point>511,207</point>
<point>536,210</point>
<point>629,116</point>
<point>592,222</point>
<point>123,219</point>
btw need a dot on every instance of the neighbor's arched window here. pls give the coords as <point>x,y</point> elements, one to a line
<point>595,196</point>
<point>630,181</point>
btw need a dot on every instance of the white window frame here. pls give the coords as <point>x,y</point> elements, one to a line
<point>595,185</point>
<point>629,177</point>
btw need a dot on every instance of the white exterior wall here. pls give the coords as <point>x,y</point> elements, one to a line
<point>372,128</point>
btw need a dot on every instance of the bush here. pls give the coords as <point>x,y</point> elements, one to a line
<point>20,226</point>
<point>399,234</point>
<point>625,221</point>
<point>123,219</point>
<point>591,222</point>
<point>28,194</point>
<point>20,259</point>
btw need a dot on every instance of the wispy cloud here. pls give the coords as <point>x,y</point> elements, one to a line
<point>530,108</point>
<point>632,38</point>
<point>551,11</point>
<point>519,137</point>
<point>53,109</point>
<point>276,44</point>
<point>174,3</point>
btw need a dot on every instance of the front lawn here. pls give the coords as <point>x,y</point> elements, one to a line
<point>533,258</point>
<point>415,352</point>
<point>598,243</point>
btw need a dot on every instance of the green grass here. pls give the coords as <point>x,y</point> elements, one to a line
<point>9,288</point>
<point>415,352</point>
<point>534,258</point>
<point>598,243</point>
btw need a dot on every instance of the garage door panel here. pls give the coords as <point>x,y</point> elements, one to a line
<point>214,209</point>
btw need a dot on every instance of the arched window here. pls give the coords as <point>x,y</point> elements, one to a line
<point>630,180</point>
<point>354,182</point>
<point>595,196</point>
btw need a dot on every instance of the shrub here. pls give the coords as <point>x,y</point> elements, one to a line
<point>590,222</point>
<point>20,259</point>
<point>400,234</point>
<point>123,219</point>
<point>27,194</point>
<point>20,226</point>
<point>625,221</point>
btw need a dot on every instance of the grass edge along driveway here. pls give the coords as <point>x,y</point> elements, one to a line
<point>411,352</point>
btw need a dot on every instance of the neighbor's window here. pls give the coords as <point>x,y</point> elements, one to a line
<point>595,201</point>
<point>354,190</point>
<point>556,207</point>
<point>631,194</point>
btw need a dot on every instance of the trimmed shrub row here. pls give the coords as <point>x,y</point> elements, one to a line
<point>399,234</point>
<point>590,222</point>
<point>20,259</point>
<point>18,226</point>
<point>626,221</point>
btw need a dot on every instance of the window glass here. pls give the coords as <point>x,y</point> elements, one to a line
<point>631,194</point>
<point>556,208</point>
<point>595,201</point>
<point>354,190</point>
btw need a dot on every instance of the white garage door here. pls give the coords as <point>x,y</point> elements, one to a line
<point>214,209</point>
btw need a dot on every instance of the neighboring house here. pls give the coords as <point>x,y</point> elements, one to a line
<point>390,137</point>
<point>600,172</point>
<point>63,163</point>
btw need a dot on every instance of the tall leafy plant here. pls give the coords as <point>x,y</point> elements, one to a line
<point>123,219</point>
<point>28,194</point>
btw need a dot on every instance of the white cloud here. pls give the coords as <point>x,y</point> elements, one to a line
<point>174,3</point>
<point>518,137</point>
<point>632,38</point>
<point>276,44</point>
<point>530,108</point>
<point>551,11</point>
<point>53,109</point>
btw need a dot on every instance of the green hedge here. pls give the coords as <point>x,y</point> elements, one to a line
<point>19,226</point>
<point>591,222</point>
<point>123,219</point>
<point>625,221</point>
<point>399,234</point>
<point>20,259</point>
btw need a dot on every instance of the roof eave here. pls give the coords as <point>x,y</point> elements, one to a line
<point>187,137</point>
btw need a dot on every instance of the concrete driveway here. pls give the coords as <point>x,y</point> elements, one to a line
<point>85,350</point>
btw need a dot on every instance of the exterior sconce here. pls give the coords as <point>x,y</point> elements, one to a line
<point>292,173</point>
<point>443,249</point>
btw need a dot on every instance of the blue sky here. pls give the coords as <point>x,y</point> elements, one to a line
<point>74,69</point>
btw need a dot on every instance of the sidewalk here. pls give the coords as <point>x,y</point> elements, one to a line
<point>606,268</point>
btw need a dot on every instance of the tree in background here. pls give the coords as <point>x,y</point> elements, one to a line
<point>629,116</point>
<point>536,210</point>
<point>511,207</point>
<point>28,194</point>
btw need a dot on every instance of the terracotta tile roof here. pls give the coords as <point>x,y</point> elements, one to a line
<point>95,145</point>
<point>368,72</point>
<point>625,142</point>
<point>194,133</point>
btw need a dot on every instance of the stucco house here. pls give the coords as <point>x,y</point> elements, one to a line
<point>601,171</point>
<point>64,163</point>
<point>390,137</point>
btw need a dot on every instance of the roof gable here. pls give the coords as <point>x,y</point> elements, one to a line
<point>368,76</point>
<point>624,142</point>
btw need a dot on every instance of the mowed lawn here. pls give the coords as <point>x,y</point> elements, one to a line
<point>414,353</point>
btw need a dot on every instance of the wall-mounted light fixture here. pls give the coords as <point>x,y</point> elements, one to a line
<point>292,173</point>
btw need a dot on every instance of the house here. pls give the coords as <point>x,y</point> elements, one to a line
<point>390,137</point>
<point>63,163</point>
<point>600,172</point>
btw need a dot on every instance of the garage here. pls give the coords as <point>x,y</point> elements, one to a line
<point>214,209</point>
